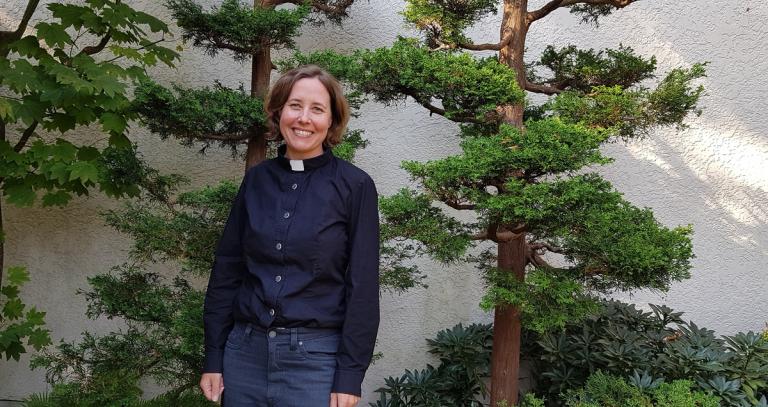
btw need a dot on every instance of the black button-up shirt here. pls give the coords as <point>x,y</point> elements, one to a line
<point>300,248</point>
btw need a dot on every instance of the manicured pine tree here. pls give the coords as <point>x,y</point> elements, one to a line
<point>562,234</point>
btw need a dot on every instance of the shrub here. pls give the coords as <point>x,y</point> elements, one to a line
<point>602,390</point>
<point>464,355</point>
<point>651,346</point>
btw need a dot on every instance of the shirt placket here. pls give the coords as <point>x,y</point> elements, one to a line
<point>289,197</point>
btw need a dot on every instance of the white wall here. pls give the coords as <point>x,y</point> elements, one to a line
<point>713,175</point>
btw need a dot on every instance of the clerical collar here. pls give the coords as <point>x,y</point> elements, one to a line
<point>303,165</point>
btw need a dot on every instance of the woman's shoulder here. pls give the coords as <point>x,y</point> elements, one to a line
<point>351,173</point>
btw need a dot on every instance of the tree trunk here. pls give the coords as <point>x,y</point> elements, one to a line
<point>261,69</point>
<point>2,231</point>
<point>505,361</point>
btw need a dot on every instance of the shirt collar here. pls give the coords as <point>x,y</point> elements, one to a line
<point>309,164</point>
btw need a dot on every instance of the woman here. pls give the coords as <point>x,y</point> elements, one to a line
<point>292,310</point>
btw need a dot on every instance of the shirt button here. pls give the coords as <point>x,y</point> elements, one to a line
<point>271,312</point>
<point>278,278</point>
<point>294,186</point>
<point>279,246</point>
<point>272,334</point>
<point>287,215</point>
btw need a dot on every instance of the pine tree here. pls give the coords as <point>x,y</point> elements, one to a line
<point>562,234</point>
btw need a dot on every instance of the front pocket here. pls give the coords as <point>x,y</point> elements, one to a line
<point>323,348</point>
<point>236,337</point>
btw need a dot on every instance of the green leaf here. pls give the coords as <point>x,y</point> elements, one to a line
<point>10,291</point>
<point>57,198</point>
<point>84,171</point>
<point>6,110</point>
<point>35,317</point>
<point>20,194</point>
<point>112,122</point>
<point>69,14</point>
<point>17,275</point>
<point>39,338</point>
<point>54,34</point>
<point>155,24</point>
<point>63,150</point>
<point>28,46</point>
<point>88,153</point>
<point>14,350</point>
<point>119,140</point>
<point>13,309</point>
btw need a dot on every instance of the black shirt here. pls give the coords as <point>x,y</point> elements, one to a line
<point>300,248</point>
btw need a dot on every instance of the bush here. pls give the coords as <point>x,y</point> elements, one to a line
<point>602,390</point>
<point>656,346</point>
<point>464,355</point>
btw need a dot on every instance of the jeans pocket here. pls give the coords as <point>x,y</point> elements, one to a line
<point>323,348</point>
<point>236,336</point>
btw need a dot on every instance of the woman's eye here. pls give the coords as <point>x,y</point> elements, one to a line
<point>294,106</point>
<point>318,110</point>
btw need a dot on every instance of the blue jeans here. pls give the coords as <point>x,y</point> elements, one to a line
<point>279,367</point>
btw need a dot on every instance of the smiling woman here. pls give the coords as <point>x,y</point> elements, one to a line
<point>292,306</point>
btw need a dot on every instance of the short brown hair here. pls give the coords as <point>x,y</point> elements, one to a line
<point>280,91</point>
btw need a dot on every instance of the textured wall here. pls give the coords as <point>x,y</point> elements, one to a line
<point>712,175</point>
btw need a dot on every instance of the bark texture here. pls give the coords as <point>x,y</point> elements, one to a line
<point>512,255</point>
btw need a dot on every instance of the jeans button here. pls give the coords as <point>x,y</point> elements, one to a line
<point>272,334</point>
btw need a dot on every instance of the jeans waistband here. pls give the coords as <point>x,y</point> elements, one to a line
<point>279,330</point>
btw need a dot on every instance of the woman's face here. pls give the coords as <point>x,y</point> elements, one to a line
<point>305,119</point>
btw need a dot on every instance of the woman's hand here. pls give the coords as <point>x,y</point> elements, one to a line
<point>343,400</point>
<point>212,384</point>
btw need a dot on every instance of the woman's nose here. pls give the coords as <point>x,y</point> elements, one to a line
<point>304,116</point>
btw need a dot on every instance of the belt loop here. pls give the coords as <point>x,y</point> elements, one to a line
<point>294,338</point>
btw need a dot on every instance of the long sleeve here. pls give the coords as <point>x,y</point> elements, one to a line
<point>226,277</point>
<point>362,292</point>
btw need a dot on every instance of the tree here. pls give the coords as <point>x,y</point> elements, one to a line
<point>67,76</point>
<point>562,233</point>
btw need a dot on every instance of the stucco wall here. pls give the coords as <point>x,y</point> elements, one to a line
<point>713,175</point>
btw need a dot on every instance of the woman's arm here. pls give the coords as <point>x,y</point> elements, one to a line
<point>361,322</point>
<point>226,277</point>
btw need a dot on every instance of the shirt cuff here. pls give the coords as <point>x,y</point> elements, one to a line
<point>347,382</point>
<point>214,361</point>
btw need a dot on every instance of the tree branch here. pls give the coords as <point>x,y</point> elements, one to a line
<point>7,37</point>
<point>542,12</point>
<point>94,49</point>
<point>541,88</point>
<point>340,8</point>
<point>434,109</point>
<point>25,137</point>
<point>489,47</point>
<point>545,245</point>
<point>555,4</point>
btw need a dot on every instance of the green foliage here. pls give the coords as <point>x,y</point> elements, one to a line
<point>443,21</point>
<point>591,13</point>
<point>163,341</point>
<point>411,216</point>
<point>469,89</point>
<point>236,26</point>
<point>67,85</point>
<point>18,322</point>
<point>219,113</point>
<point>464,355</point>
<point>187,235</point>
<point>547,299</point>
<point>581,70</point>
<point>650,348</point>
<point>602,390</point>
<point>633,112</point>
